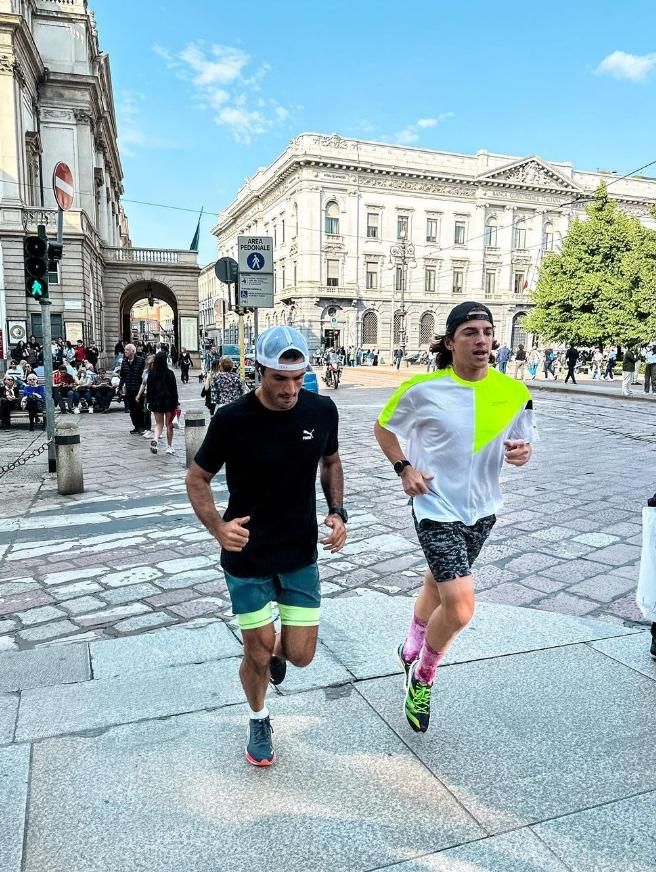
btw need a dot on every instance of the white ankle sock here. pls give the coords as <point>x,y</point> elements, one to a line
<point>258,716</point>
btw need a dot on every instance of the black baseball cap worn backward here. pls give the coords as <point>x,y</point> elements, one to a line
<point>469,311</point>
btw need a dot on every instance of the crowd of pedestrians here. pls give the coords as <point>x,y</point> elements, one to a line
<point>572,360</point>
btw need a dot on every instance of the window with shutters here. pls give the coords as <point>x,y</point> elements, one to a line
<point>426,328</point>
<point>398,324</point>
<point>431,229</point>
<point>372,276</point>
<point>369,328</point>
<point>491,228</point>
<point>429,280</point>
<point>373,225</point>
<point>520,234</point>
<point>332,218</point>
<point>332,273</point>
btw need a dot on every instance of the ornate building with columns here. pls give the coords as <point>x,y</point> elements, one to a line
<point>374,243</point>
<point>57,104</point>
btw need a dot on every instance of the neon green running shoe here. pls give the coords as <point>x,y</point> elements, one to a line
<point>417,702</point>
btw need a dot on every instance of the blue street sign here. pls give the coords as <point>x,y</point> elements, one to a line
<point>255,261</point>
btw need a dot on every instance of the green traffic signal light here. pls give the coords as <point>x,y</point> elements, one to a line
<point>37,289</point>
<point>35,260</point>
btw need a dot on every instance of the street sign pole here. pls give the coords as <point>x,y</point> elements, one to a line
<point>63,188</point>
<point>256,332</point>
<point>47,373</point>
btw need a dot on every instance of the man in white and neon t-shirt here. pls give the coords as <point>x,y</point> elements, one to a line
<point>460,423</point>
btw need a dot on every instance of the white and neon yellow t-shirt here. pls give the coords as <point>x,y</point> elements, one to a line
<point>455,430</point>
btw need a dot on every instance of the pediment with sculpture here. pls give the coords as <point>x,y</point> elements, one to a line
<point>530,172</point>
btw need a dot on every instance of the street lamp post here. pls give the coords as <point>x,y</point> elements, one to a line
<point>403,255</point>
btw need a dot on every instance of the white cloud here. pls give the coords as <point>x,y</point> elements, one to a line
<point>225,83</point>
<point>225,65</point>
<point>132,132</point>
<point>410,132</point>
<point>622,65</point>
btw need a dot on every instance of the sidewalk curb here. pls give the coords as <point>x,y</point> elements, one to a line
<point>589,392</point>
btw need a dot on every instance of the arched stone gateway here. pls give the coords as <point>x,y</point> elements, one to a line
<point>143,290</point>
<point>132,274</point>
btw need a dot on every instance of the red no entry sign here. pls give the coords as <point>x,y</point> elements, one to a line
<point>62,183</point>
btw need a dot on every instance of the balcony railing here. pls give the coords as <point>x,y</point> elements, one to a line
<point>151,255</point>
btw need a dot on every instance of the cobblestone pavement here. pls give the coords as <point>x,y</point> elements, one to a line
<point>128,555</point>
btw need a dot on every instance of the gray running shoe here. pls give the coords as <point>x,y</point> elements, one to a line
<point>259,750</point>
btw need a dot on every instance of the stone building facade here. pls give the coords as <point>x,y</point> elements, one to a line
<point>57,104</point>
<point>343,211</point>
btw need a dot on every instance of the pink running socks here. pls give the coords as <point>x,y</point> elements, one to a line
<point>428,663</point>
<point>414,640</point>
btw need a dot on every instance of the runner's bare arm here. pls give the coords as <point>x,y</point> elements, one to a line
<point>413,480</point>
<point>332,479</point>
<point>231,535</point>
<point>389,443</point>
<point>332,483</point>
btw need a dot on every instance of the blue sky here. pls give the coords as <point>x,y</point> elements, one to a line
<point>207,92</point>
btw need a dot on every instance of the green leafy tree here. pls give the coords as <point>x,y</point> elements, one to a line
<point>600,289</point>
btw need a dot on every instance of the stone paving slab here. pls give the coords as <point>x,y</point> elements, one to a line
<point>22,670</point>
<point>519,851</point>
<point>176,646</point>
<point>182,796</point>
<point>8,711</point>
<point>613,838</point>
<point>633,651</point>
<point>364,630</point>
<point>14,772</point>
<point>74,708</point>
<point>527,737</point>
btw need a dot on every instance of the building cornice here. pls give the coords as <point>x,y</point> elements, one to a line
<point>379,176</point>
<point>24,61</point>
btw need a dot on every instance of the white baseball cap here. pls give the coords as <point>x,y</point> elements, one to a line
<point>274,342</point>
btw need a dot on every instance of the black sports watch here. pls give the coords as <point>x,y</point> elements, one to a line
<point>339,510</point>
<point>400,465</point>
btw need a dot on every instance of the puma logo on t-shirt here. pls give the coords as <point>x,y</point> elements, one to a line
<point>308,434</point>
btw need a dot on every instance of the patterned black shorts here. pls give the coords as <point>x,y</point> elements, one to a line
<point>451,548</point>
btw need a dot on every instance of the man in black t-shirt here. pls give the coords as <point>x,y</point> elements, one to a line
<point>271,442</point>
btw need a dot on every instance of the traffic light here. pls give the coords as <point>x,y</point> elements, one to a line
<point>35,258</point>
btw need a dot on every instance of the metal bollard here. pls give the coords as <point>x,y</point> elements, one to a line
<point>70,479</point>
<point>194,432</point>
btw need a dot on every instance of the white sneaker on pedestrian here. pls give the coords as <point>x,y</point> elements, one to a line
<point>76,411</point>
<point>91,410</point>
<point>170,450</point>
<point>148,434</point>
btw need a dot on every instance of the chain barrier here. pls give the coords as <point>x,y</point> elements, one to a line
<point>22,460</point>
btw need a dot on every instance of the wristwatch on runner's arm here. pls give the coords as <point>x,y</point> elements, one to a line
<point>339,510</point>
<point>400,465</point>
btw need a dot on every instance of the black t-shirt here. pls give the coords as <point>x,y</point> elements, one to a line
<point>271,461</point>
